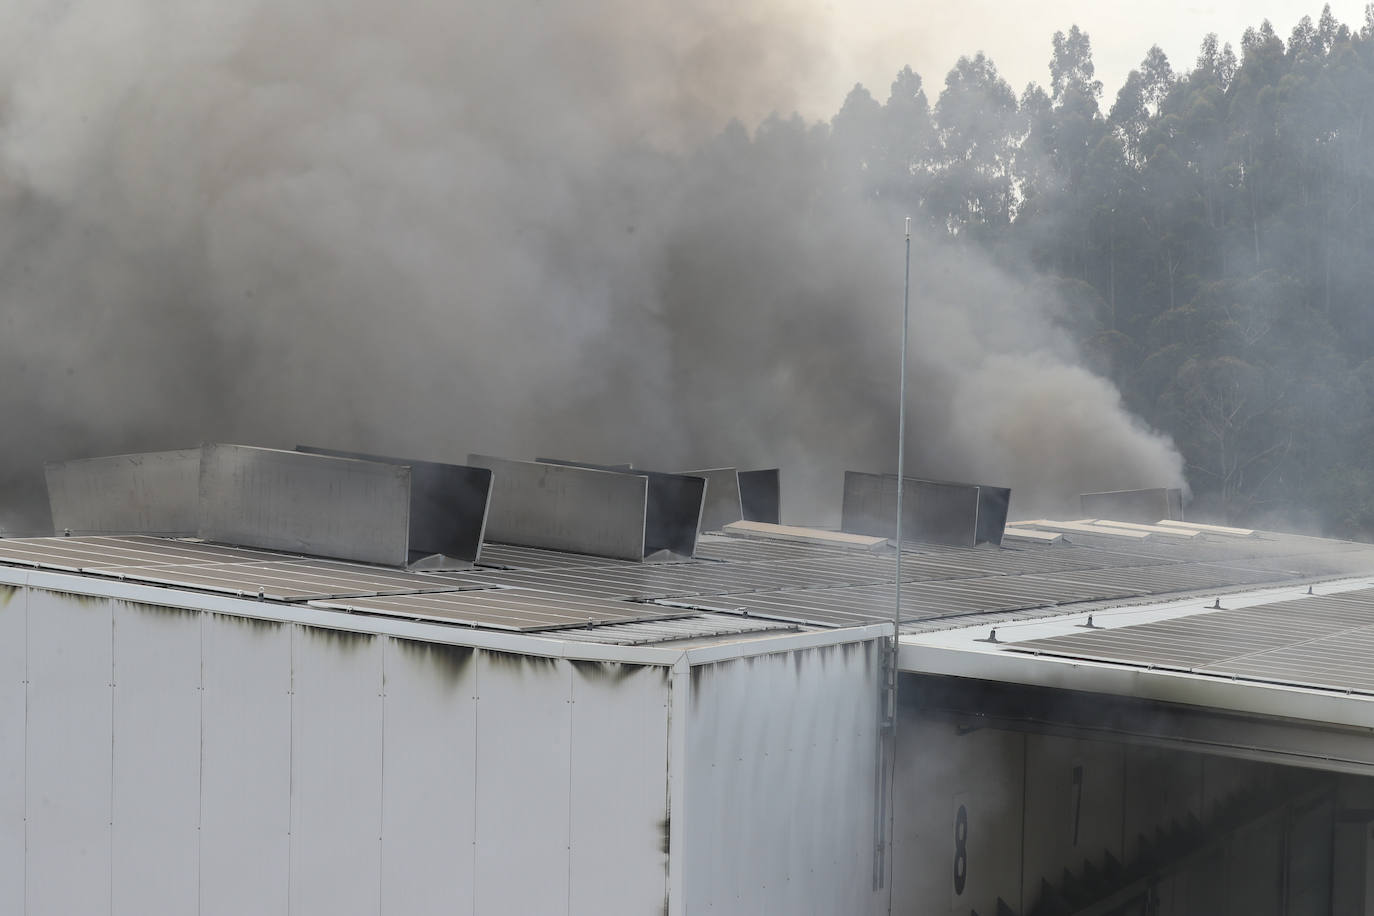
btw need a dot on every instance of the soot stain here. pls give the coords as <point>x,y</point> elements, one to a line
<point>83,600</point>
<point>343,639</point>
<point>451,661</point>
<point>257,624</point>
<point>608,671</point>
<point>515,661</point>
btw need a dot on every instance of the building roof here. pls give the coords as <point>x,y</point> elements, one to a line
<point>735,587</point>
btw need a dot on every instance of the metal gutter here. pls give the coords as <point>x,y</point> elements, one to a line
<point>538,644</point>
<point>1318,706</point>
<point>967,653</point>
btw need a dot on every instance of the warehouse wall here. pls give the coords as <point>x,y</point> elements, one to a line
<point>1035,806</point>
<point>155,760</point>
<point>778,814</point>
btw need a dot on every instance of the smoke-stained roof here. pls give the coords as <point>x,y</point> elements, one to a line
<point>763,586</point>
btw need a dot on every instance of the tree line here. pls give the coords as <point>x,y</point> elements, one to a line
<point>1209,232</point>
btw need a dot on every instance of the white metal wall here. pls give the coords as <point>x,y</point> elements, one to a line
<point>245,766</point>
<point>170,760</point>
<point>155,821</point>
<point>13,673</point>
<point>778,813</point>
<point>69,761</point>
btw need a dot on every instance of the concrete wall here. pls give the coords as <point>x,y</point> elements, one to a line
<point>157,760</point>
<point>778,812</point>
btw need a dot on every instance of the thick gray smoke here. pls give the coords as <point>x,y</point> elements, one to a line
<point>516,228</point>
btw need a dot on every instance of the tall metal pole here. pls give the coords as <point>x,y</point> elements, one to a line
<point>887,788</point>
<point>901,433</point>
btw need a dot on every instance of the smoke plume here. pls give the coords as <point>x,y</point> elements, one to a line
<point>518,228</point>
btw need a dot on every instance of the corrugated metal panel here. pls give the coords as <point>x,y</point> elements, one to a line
<point>503,609</point>
<point>68,762</point>
<point>512,556</point>
<point>290,580</point>
<point>155,848</point>
<point>336,772</point>
<point>523,805</point>
<point>681,580</point>
<point>429,779</point>
<point>13,644</point>
<point>213,567</point>
<point>1318,641</point>
<point>120,553</point>
<point>618,817</point>
<point>762,734</point>
<point>698,626</point>
<point>246,773</point>
<point>1321,641</point>
<point>742,550</point>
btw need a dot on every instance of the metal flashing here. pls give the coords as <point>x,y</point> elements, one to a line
<point>145,493</point>
<point>448,507</point>
<point>672,517</point>
<point>1014,533</point>
<point>1146,506</point>
<point>617,468</point>
<point>760,495</point>
<point>723,503</point>
<point>1086,526</point>
<point>566,507</point>
<point>308,504</point>
<point>993,505</point>
<point>934,511</point>
<point>1161,530</point>
<point>1209,529</point>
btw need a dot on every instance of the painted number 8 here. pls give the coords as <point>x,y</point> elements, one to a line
<point>960,849</point>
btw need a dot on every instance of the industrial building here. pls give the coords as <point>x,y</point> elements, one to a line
<point>253,681</point>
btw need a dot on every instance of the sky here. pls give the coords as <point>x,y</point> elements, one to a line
<point>870,40</point>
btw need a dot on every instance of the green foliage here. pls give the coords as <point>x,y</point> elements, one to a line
<point>1210,237</point>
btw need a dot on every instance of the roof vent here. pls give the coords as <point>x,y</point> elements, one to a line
<point>384,511</point>
<point>933,511</point>
<point>448,507</point>
<point>601,510</point>
<point>722,505</point>
<point>1145,507</point>
<point>733,496</point>
<point>760,495</point>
